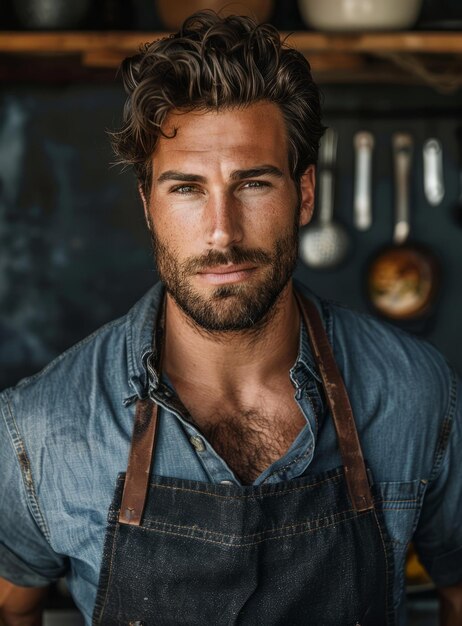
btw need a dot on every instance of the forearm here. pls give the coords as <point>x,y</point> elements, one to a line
<point>21,606</point>
<point>32,618</point>
<point>450,605</point>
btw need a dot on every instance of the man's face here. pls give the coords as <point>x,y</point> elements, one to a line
<point>224,214</point>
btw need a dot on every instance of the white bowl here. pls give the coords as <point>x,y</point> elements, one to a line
<point>357,15</point>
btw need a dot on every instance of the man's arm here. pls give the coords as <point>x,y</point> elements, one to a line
<point>21,606</point>
<point>28,563</point>
<point>450,605</point>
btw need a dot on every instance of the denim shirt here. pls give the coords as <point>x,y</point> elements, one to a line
<point>65,436</point>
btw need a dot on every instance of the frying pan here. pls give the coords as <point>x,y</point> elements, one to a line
<point>402,279</point>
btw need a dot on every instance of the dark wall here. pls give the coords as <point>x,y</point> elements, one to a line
<point>73,247</point>
<point>74,252</point>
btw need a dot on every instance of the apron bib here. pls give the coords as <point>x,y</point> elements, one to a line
<point>311,551</point>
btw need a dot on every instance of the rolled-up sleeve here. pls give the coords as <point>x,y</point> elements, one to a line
<point>438,537</point>
<point>26,557</point>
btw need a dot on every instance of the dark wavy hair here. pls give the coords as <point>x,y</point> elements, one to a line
<point>216,62</point>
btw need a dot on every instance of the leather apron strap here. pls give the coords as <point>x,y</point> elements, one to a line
<point>139,462</point>
<point>145,426</point>
<point>340,408</point>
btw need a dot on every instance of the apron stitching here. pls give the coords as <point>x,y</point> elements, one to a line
<point>387,570</point>
<point>103,605</point>
<point>335,517</point>
<point>249,496</point>
<point>254,543</point>
<point>413,501</point>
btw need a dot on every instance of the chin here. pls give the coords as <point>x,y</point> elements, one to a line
<point>229,308</point>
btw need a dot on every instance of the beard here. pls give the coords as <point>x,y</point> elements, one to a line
<point>234,307</point>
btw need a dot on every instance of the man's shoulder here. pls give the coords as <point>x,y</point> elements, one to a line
<point>76,362</point>
<point>99,364</point>
<point>364,342</point>
<point>397,381</point>
<point>388,371</point>
<point>362,336</point>
<point>369,341</point>
<point>402,390</point>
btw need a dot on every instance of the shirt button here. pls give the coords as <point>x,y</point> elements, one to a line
<point>197,443</point>
<point>226,482</point>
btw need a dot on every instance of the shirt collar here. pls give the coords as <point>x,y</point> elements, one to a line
<point>141,340</point>
<point>142,343</point>
<point>305,366</point>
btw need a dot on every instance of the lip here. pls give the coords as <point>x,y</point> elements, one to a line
<point>227,274</point>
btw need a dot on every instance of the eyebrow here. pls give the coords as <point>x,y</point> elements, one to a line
<point>236,175</point>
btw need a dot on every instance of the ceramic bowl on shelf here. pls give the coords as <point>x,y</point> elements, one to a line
<point>359,15</point>
<point>51,14</point>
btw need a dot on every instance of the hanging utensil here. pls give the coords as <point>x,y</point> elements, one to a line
<point>403,279</point>
<point>457,210</point>
<point>325,243</point>
<point>402,156</point>
<point>363,142</point>
<point>433,171</point>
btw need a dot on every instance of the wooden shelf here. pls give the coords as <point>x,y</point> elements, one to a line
<point>433,58</point>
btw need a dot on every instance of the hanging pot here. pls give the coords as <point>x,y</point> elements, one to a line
<point>403,278</point>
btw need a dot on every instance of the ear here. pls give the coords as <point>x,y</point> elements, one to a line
<point>145,205</point>
<point>307,186</point>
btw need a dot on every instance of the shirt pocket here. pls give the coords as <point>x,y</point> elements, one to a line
<point>400,504</point>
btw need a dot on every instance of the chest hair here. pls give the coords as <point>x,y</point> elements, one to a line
<point>250,440</point>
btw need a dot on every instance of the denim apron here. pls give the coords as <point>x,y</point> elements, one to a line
<point>311,551</point>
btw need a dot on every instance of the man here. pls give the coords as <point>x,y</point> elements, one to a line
<point>260,489</point>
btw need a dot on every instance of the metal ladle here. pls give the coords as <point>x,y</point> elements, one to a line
<point>325,243</point>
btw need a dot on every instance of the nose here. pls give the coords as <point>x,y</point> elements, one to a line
<point>223,221</point>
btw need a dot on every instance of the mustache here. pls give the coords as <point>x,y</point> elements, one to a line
<point>234,256</point>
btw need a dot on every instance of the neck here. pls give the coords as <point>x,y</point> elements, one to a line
<point>232,360</point>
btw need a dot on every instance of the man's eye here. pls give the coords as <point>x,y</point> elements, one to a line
<point>256,184</point>
<point>183,189</point>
